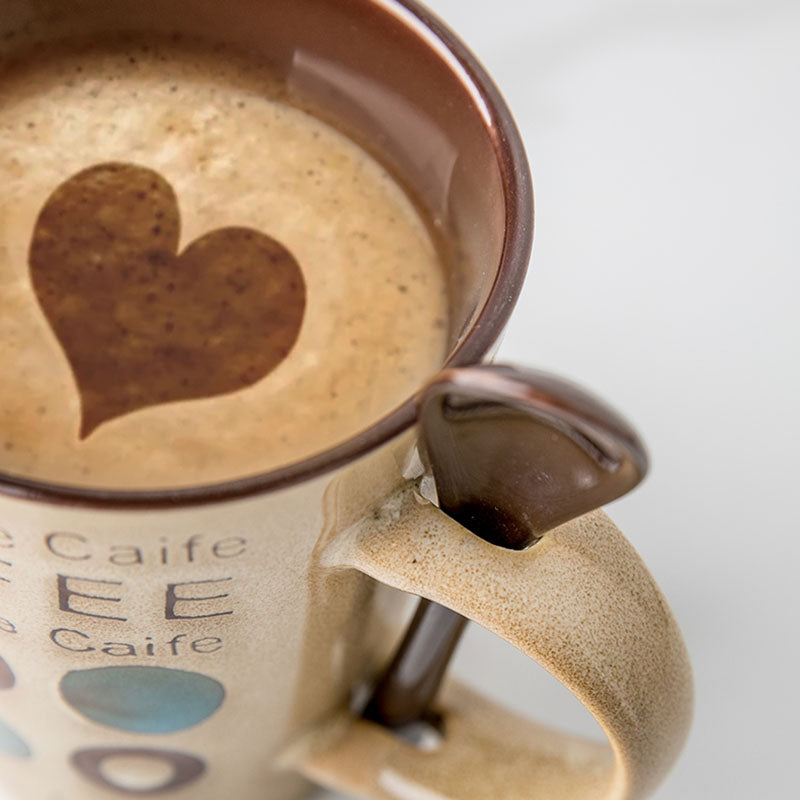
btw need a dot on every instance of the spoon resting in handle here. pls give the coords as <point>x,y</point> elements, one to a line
<point>514,453</point>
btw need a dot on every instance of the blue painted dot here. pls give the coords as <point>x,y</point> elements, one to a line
<point>142,699</point>
<point>11,743</point>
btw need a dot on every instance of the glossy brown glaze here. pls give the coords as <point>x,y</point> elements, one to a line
<point>412,679</point>
<point>514,453</point>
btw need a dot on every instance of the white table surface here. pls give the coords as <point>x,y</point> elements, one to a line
<point>664,138</point>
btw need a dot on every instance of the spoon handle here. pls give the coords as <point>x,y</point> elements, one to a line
<point>514,453</point>
<point>411,682</point>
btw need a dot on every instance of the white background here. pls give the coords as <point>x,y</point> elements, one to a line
<point>664,140</point>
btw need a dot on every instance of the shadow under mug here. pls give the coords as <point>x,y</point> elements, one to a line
<point>222,663</point>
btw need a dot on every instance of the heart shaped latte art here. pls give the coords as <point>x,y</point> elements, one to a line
<point>142,325</point>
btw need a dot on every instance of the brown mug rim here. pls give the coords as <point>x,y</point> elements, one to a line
<point>475,344</point>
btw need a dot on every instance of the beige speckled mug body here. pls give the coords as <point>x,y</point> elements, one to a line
<point>212,651</point>
<point>281,641</point>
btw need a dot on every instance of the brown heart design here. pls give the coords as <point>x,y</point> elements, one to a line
<point>142,325</point>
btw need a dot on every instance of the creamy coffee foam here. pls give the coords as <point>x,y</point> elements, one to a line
<point>219,135</point>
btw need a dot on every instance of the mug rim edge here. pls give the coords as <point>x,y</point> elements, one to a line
<point>482,334</point>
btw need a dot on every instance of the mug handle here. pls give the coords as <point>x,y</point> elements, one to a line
<point>581,603</point>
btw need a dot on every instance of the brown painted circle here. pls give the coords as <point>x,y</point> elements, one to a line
<point>482,335</point>
<point>185,768</point>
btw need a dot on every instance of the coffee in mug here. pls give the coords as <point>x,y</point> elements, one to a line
<point>222,283</point>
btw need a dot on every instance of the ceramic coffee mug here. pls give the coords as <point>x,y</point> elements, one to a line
<point>205,642</point>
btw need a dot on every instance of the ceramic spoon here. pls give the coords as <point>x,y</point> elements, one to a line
<point>513,454</point>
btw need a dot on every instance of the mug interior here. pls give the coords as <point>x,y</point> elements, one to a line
<point>394,79</point>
